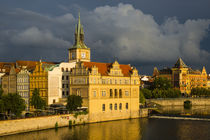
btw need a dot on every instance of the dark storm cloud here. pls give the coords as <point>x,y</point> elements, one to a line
<point>120,31</point>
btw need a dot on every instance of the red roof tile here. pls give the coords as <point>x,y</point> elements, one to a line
<point>103,68</point>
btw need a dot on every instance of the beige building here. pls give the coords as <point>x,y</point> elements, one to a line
<point>110,91</point>
<point>23,88</point>
<point>9,81</point>
<point>183,77</point>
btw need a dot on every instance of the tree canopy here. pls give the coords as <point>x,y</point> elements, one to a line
<point>200,92</point>
<point>13,103</point>
<point>161,88</point>
<point>161,83</point>
<point>73,102</point>
<point>36,100</point>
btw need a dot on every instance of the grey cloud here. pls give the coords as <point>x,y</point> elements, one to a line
<point>110,31</point>
<point>137,37</point>
<point>36,38</point>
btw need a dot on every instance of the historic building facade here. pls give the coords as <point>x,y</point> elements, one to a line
<point>109,90</point>
<point>58,82</point>
<point>23,88</point>
<point>39,79</point>
<point>9,81</point>
<point>183,77</point>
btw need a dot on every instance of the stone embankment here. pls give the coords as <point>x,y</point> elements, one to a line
<point>180,101</point>
<point>8,127</point>
<point>179,118</point>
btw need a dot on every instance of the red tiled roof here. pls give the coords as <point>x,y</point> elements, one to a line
<point>29,64</point>
<point>103,68</point>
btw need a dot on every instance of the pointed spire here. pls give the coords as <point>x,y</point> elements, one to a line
<point>204,70</point>
<point>79,35</point>
<point>180,64</point>
<point>78,29</point>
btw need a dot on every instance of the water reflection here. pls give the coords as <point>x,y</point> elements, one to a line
<point>135,129</point>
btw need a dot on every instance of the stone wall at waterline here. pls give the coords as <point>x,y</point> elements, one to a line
<point>39,123</point>
<point>180,101</point>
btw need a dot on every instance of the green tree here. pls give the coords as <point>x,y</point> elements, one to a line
<point>141,97</point>
<point>36,100</point>
<point>147,93</point>
<point>1,101</point>
<point>13,103</point>
<point>73,102</point>
<point>161,83</point>
<point>1,91</point>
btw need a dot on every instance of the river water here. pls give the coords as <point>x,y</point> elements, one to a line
<point>134,129</point>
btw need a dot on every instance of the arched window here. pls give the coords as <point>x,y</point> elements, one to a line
<point>120,106</point>
<point>103,107</point>
<point>111,93</point>
<point>120,93</point>
<point>126,105</point>
<point>110,106</point>
<point>115,93</point>
<point>115,106</point>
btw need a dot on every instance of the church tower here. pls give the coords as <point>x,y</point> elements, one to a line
<point>79,51</point>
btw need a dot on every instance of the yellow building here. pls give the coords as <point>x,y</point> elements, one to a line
<point>109,90</point>
<point>39,79</point>
<point>183,77</point>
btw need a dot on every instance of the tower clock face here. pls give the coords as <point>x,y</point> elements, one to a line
<point>83,55</point>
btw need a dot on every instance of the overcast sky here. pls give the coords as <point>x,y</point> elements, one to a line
<point>143,33</point>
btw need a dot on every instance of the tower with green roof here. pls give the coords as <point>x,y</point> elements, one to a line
<point>79,51</point>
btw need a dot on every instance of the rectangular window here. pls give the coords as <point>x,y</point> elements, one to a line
<point>67,77</point>
<point>94,93</point>
<point>63,93</point>
<point>67,86</point>
<point>103,81</point>
<point>110,106</point>
<point>62,77</point>
<point>103,107</point>
<point>67,93</point>
<point>115,106</point>
<point>126,93</point>
<point>126,106</point>
<point>63,85</point>
<point>103,93</point>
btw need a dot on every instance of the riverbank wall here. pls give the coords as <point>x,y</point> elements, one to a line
<point>8,127</point>
<point>180,101</point>
<point>179,118</point>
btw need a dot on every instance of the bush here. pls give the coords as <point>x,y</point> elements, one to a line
<point>187,104</point>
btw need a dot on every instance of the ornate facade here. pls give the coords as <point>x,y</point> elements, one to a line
<point>110,91</point>
<point>39,79</point>
<point>23,88</point>
<point>183,77</point>
<point>9,81</point>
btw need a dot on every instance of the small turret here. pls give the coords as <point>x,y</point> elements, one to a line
<point>204,71</point>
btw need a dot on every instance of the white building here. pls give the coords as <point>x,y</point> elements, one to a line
<point>58,82</point>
